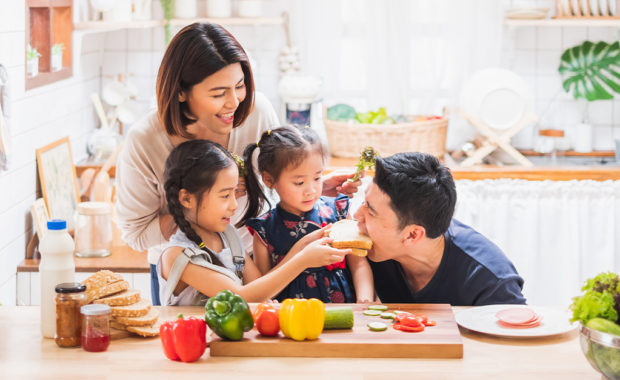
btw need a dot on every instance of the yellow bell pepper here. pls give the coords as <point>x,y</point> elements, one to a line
<point>302,319</point>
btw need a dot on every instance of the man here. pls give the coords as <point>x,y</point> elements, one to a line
<point>420,254</point>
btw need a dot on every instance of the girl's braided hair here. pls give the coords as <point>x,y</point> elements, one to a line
<point>193,166</point>
<point>283,147</point>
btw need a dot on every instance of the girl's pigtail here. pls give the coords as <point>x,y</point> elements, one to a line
<point>256,196</point>
<point>176,210</point>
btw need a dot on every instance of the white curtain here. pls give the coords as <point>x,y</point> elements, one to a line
<point>410,56</point>
<point>557,234</point>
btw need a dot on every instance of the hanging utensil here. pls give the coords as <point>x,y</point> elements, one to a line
<point>99,109</point>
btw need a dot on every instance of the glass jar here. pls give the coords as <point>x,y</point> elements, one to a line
<point>93,230</point>
<point>70,296</point>
<point>95,327</point>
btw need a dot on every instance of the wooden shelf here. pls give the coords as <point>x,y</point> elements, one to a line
<point>48,77</point>
<point>583,22</point>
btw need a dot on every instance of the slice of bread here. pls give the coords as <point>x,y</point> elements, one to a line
<point>149,319</point>
<point>359,252</point>
<point>116,325</point>
<point>346,234</point>
<point>137,309</point>
<point>145,331</point>
<point>106,290</point>
<point>124,298</point>
<point>101,279</point>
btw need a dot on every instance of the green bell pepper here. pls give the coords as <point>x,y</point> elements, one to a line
<point>228,315</point>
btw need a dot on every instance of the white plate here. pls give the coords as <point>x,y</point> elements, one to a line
<point>576,8</point>
<point>612,7</point>
<point>602,7</point>
<point>566,7</point>
<point>498,97</point>
<point>527,13</point>
<point>482,319</point>
<point>594,8</point>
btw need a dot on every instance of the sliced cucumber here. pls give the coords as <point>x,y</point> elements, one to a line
<point>378,307</point>
<point>388,315</point>
<point>338,317</point>
<point>377,326</point>
<point>372,313</point>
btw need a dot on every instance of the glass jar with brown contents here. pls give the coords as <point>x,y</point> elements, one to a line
<point>70,297</point>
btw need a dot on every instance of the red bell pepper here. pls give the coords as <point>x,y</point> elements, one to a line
<point>184,338</point>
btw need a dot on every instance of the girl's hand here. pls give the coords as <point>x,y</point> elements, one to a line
<point>304,241</point>
<point>240,190</point>
<point>319,253</point>
<point>337,182</point>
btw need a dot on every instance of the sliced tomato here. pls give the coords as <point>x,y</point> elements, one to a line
<point>422,318</point>
<point>401,327</point>
<point>402,314</point>
<point>430,323</point>
<point>411,321</point>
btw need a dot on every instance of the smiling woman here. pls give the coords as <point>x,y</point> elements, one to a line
<point>205,90</point>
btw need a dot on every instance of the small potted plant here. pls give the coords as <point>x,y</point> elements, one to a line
<point>56,62</point>
<point>32,61</point>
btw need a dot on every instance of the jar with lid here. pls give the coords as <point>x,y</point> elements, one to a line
<point>93,230</point>
<point>95,327</point>
<point>70,297</point>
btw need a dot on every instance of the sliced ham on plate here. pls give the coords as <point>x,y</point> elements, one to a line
<point>518,317</point>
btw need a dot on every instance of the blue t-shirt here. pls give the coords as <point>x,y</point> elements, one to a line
<point>473,271</point>
<point>279,230</point>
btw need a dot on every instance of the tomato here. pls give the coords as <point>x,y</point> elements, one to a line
<point>422,318</point>
<point>410,321</point>
<point>268,322</point>
<point>401,327</point>
<point>430,323</point>
<point>260,308</point>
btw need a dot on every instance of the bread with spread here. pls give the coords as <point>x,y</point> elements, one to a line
<point>346,234</point>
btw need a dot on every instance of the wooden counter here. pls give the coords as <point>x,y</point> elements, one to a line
<point>536,173</point>
<point>122,259</point>
<point>24,354</point>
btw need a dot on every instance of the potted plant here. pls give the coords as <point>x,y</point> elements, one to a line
<point>591,71</point>
<point>32,61</point>
<point>56,62</point>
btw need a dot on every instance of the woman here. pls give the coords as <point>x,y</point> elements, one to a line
<point>205,90</point>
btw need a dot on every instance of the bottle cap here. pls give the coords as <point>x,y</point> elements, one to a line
<point>56,224</point>
<point>95,309</point>
<point>70,287</point>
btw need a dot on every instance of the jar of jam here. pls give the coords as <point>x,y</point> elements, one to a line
<point>95,327</point>
<point>70,296</point>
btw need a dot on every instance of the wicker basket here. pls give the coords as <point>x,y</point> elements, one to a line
<point>348,139</point>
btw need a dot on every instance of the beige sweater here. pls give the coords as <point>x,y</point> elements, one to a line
<point>141,198</point>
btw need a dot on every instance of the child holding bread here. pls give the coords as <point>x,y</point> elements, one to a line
<point>206,255</point>
<point>290,161</point>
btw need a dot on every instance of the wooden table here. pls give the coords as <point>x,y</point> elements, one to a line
<point>24,354</point>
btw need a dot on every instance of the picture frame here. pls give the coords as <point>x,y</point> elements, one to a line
<point>58,180</point>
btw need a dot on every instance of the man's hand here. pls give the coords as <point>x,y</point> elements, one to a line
<point>337,182</point>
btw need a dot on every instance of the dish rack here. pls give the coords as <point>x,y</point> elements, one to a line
<point>586,9</point>
<point>347,139</point>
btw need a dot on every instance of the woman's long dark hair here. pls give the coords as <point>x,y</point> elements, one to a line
<point>193,166</point>
<point>278,149</point>
<point>197,51</point>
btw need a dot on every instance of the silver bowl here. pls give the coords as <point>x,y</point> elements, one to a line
<point>602,351</point>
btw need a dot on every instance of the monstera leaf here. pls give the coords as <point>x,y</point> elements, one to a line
<point>591,71</point>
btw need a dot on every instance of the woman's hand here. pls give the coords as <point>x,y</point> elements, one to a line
<point>167,225</point>
<point>319,253</point>
<point>337,182</point>
<point>240,190</point>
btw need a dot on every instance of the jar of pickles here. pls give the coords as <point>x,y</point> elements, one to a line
<point>95,327</point>
<point>70,296</point>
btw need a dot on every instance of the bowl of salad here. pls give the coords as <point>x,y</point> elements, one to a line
<point>597,310</point>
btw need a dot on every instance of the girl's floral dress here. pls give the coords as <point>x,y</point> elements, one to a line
<point>279,230</point>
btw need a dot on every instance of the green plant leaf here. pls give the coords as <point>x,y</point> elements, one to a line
<point>591,71</point>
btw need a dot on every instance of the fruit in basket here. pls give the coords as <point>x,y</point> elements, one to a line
<point>374,117</point>
<point>341,112</point>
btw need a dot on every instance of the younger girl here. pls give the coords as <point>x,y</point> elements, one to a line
<point>291,161</point>
<point>205,255</point>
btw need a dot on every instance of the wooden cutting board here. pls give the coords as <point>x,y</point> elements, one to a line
<point>441,341</point>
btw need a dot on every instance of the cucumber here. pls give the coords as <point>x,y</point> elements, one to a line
<point>388,315</point>
<point>378,307</point>
<point>603,325</point>
<point>372,313</point>
<point>338,318</point>
<point>377,326</point>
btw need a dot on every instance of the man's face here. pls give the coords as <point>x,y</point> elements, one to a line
<point>377,219</point>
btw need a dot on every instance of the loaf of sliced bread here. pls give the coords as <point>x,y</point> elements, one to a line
<point>124,298</point>
<point>145,331</point>
<point>106,290</point>
<point>137,309</point>
<point>148,319</point>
